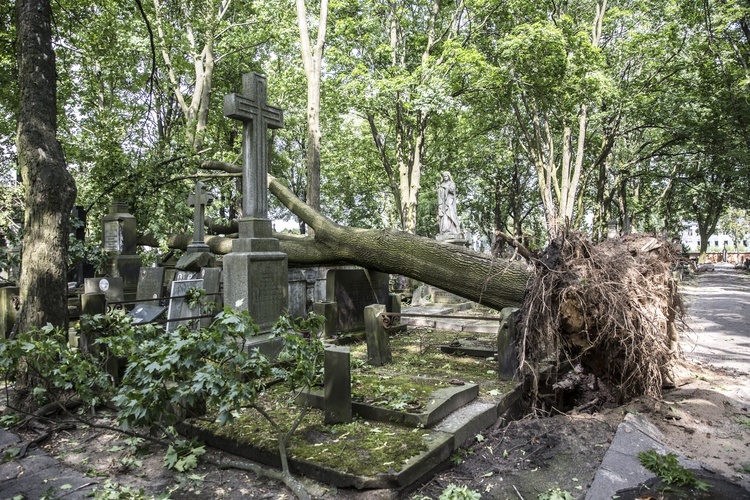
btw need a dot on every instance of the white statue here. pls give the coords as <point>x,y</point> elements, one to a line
<point>447,215</point>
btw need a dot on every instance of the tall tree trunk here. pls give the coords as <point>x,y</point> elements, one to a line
<point>50,189</point>
<point>313,62</point>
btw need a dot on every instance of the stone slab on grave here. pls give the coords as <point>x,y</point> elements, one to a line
<point>480,326</point>
<point>146,313</point>
<point>353,290</point>
<point>111,287</point>
<point>439,448</point>
<point>468,421</point>
<point>150,283</point>
<point>442,297</point>
<point>178,304</point>
<point>469,348</point>
<point>442,402</point>
<point>451,324</point>
<point>425,310</point>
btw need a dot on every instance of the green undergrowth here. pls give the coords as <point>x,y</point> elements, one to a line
<point>360,447</point>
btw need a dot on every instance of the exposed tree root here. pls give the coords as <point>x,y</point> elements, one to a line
<point>613,308</point>
<point>302,491</point>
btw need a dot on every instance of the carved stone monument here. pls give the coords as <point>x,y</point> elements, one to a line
<point>199,199</point>
<point>120,240</point>
<point>255,277</point>
<point>450,230</point>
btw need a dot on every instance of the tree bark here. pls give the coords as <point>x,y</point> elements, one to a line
<point>471,275</point>
<point>313,64</point>
<point>50,189</point>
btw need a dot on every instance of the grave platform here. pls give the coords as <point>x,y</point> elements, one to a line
<point>450,324</point>
<point>389,443</point>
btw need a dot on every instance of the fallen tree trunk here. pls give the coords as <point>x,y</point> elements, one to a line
<point>477,277</point>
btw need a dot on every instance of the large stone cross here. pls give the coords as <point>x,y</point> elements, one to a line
<point>199,199</point>
<point>257,116</point>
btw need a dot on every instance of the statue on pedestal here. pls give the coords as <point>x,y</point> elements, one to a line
<point>447,215</point>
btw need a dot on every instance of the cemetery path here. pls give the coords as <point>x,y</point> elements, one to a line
<point>718,306</point>
<point>705,417</point>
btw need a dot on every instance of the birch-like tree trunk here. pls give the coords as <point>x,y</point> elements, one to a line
<point>194,108</point>
<point>312,60</point>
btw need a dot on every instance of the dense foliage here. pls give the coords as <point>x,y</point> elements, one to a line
<point>547,114</point>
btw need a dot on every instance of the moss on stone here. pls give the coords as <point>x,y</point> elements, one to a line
<point>360,447</point>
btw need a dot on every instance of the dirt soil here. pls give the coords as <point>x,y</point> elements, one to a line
<point>705,416</point>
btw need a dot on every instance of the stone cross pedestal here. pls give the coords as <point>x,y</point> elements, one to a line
<point>255,277</point>
<point>199,199</point>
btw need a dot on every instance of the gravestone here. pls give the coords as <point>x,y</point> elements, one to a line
<point>337,382</point>
<point>298,296</point>
<point>150,283</point>
<point>507,352</point>
<point>199,199</point>
<point>211,277</point>
<point>146,313</point>
<point>111,287</point>
<point>255,277</point>
<point>80,270</point>
<point>119,240</point>
<point>378,342</point>
<point>178,304</point>
<point>329,312</point>
<point>352,290</point>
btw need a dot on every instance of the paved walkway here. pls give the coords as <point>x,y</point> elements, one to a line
<point>38,475</point>
<point>718,306</point>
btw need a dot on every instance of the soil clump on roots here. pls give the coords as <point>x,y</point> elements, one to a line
<point>610,310</point>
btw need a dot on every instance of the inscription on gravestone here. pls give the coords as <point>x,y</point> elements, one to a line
<point>112,236</point>
<point>178,304</point>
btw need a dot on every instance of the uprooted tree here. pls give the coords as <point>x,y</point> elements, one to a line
<point>613,308</point>
<point>481,278</point>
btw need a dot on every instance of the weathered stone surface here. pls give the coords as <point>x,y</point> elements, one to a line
<point>179,306</point>
<point>353,290</point>
<point>507,353</point>
<point>111,287</point>
<point>378,343</point>
<point>337,385</point>
<point>257,282</point>
<point>150,283</point>
<point>195,261</point>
